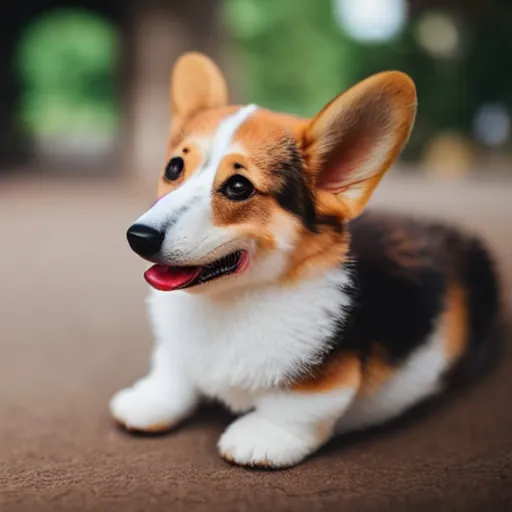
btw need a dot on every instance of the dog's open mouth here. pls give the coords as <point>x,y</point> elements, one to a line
<point>166,277</point>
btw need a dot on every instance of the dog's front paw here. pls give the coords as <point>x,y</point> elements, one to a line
<point>256,441</point>
<point>144,408</point>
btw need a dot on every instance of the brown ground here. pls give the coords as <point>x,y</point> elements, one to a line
<point>73,331</point>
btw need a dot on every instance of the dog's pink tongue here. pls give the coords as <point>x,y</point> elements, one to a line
<point>165,278</point>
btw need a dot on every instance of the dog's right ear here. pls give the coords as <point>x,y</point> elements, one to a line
<point>196,84</point>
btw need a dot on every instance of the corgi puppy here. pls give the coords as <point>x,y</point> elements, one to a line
<point>274,294</point>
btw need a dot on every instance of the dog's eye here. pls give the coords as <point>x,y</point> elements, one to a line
<point>237,188</point>
<point>174,168</point>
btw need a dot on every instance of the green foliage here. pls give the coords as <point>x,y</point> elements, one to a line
<point>66,62</point>
<point>296,58</point>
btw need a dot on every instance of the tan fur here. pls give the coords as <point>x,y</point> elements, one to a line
<point>192,156</point>
<point>377,371</point>
<point>153,429</point>
<point>455,321</point>
<point>250,220</point>
<point>263,463</point>
<point>316,252</point>
<point>265,129</point>
<point>342,370</point>
<point>344,137</point>
<point>259,144</point>
<point>260,139</point>
<point>197,84</point>
<point>202,125</point>
<point>346,370</point>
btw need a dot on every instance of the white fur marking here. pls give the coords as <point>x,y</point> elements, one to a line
<point>253,339</point>
<point>238,348</point>
<point>223,138</point>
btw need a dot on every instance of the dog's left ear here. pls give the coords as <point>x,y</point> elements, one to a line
<point>197,84</point>
<point>352,142</point>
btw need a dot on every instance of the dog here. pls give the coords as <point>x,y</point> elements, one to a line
<point>275,294</point>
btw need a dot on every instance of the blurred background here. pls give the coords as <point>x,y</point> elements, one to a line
<point>84,84</point>
<point>84,117</point>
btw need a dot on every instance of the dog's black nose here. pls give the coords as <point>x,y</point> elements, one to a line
<point>145,241</point>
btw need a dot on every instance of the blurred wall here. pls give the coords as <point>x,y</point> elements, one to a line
<point>158,33</point>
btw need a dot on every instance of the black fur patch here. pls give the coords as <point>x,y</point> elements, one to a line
<point>401,289</point>
<point>294,193</point>
<point>401,270</point>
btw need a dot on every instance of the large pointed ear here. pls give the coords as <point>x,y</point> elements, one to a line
<point>352,142</point>
<point>196,84</point>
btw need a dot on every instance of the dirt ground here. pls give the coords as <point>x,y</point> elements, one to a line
<point>73,331</point>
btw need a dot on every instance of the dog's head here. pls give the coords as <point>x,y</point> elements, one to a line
<point>249,196</point>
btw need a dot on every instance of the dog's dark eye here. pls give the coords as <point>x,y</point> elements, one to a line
<point>237,188</point>
<point>174,168</point>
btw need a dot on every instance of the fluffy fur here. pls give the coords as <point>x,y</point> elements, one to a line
<point>338,320</point>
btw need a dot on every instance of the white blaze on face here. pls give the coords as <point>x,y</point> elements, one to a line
<point>185,214</point>
<point>223,138</point>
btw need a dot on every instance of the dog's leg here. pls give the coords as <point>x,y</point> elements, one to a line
<point>285,428</point>
<point>158,401</point>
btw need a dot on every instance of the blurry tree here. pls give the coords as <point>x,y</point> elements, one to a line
<point>66,63</point>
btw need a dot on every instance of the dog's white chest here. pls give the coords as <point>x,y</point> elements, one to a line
<point>251,343</point>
